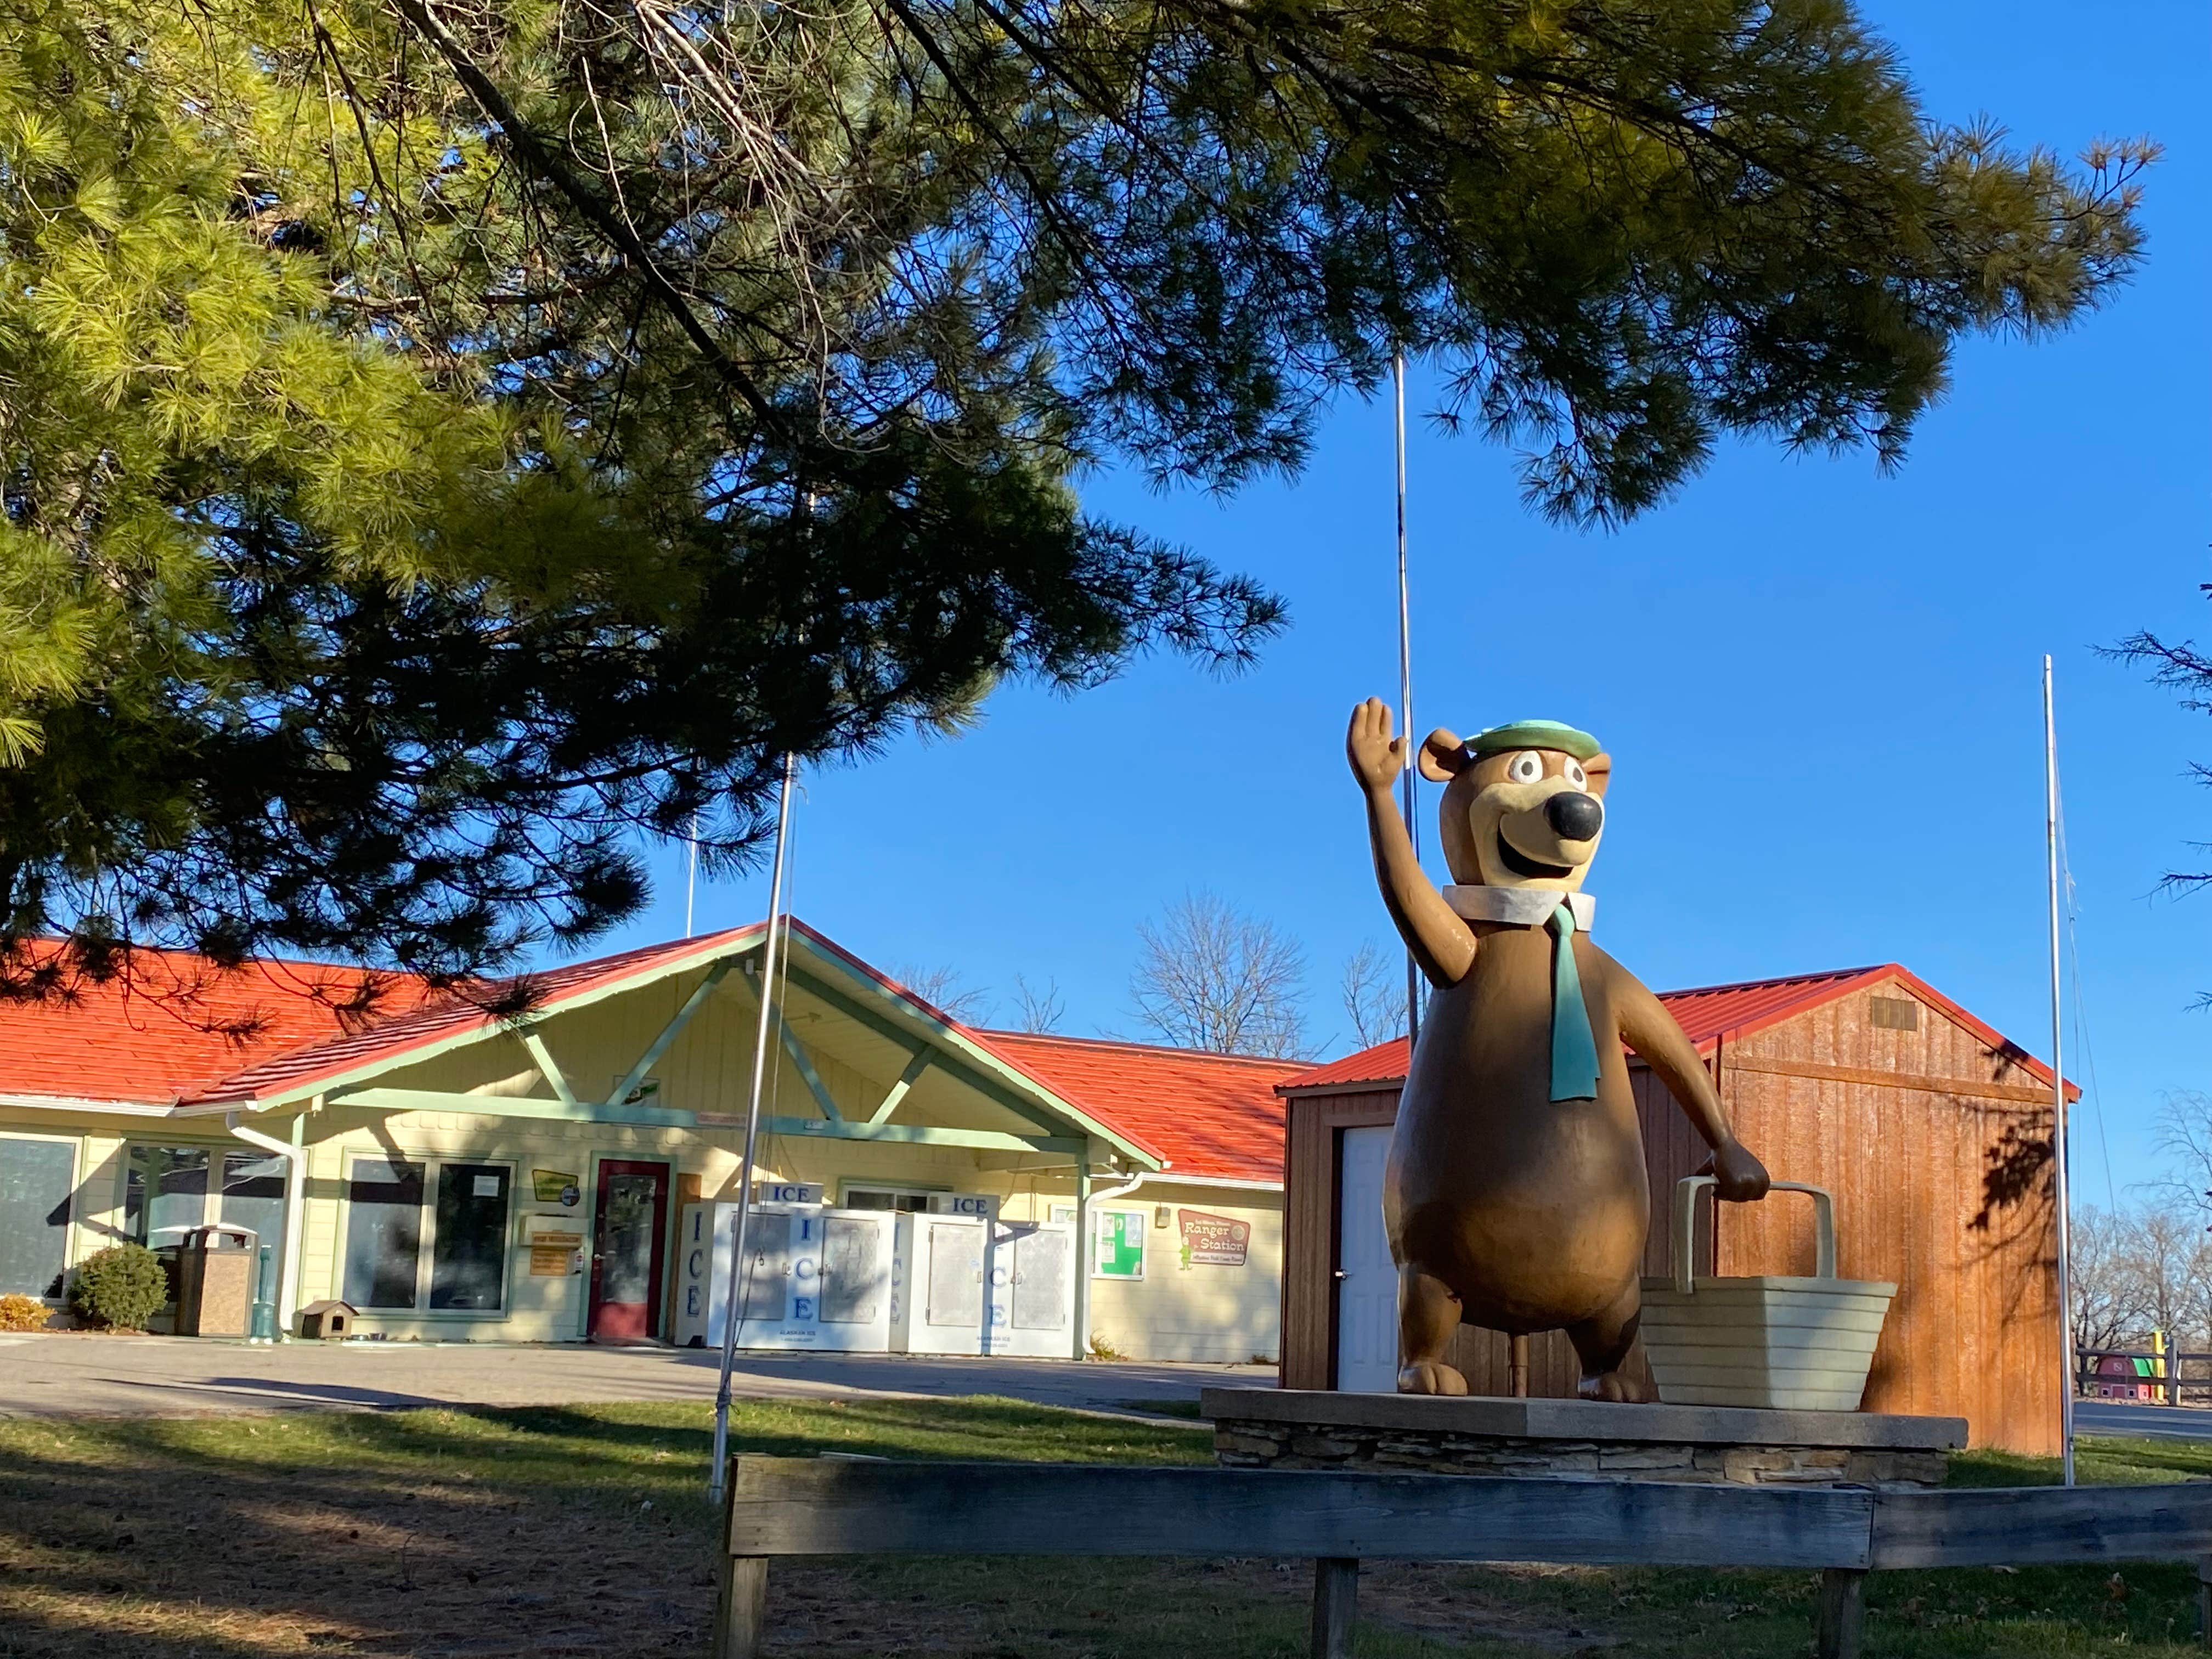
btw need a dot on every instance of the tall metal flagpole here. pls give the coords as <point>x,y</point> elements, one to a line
<point>690,874</point>
<point>2059,1084</point>
<point>1405,681</point>
<point>732,1301</point>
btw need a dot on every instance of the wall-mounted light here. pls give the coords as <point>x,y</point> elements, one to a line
<point>1159,1215</point>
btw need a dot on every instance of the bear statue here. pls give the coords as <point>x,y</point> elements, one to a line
<point>1516,1197</point>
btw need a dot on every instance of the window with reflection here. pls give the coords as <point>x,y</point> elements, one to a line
<point>36,1177</point>
<point>384,1232</point>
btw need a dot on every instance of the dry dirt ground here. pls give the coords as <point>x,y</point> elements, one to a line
<point>441,1534</point>
<point>450,1569</point>
<point>293,1563</point>
<point>582,1530</point>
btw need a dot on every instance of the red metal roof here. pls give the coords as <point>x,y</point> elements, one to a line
<point>1207,1115</point>
<point>174,1022</point>
<point>1707,1013</point>
<point>452,1013</point>
<point>180,1031</point>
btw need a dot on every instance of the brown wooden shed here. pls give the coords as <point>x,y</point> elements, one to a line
<point>1932,1131</point>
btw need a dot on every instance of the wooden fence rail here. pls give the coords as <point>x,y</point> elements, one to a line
<point>783,1506</point>
<point>2169,1384</point>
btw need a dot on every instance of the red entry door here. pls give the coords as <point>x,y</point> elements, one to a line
<point>629,1226</point>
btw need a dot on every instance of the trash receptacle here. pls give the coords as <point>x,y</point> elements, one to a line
<point>216,1274</point>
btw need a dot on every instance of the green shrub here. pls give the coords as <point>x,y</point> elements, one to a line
<point>23,1313</point>
<point>123,1285</point>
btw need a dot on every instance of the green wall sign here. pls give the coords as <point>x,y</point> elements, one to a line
<point>1120,1245</point>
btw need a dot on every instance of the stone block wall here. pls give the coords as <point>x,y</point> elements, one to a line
<point>1250,1444</point>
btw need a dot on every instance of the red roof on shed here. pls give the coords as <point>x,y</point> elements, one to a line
<point>1707,1013</point>
<point>1208,1115</point>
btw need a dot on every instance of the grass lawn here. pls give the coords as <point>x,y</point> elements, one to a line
<point>447,1535</point>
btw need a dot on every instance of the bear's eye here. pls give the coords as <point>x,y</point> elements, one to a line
<point>1525,768</point>
<point>1576,775</point>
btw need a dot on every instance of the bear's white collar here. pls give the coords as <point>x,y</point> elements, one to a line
<point>1524,907</point>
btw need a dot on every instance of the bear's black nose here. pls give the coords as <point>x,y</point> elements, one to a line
<point>1574,816</point>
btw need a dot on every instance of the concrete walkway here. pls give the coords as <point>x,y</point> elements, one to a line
<point>164,1377</point>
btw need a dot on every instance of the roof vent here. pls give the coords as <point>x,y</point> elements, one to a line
<point>1895,1013</point>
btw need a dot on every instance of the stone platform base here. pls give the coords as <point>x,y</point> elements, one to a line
<point>1302,1429</point>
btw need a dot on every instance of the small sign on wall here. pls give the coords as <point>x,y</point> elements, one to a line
<point>787,1191</point>
<point>555,1186</point>
<point>555,1255</point>
<point>1213,1241</point>
<point>1120,1245</point>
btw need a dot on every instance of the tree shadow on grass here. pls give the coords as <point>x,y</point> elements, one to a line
<point>154,1557</point>
<point>456,1531</point>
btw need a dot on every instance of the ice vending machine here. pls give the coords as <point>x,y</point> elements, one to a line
<point>1031,1273</point>
<point>817,1277</point>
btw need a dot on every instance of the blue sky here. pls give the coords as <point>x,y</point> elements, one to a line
<point>1819,684</point>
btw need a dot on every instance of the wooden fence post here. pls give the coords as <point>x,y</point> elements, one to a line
<point>2205,1601</point>
<point>740,1607</point>
<point>1335,1605</point>
<point>1843,1613</point>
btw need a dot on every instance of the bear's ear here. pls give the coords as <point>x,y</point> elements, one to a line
<point>1444,756</point>
<point>1598,768</point>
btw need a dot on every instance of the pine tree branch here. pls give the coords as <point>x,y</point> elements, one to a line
<point>541,156</point>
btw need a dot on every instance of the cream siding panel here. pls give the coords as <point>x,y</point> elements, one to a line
<point>1199,1312</point>
<point>96,1208</point>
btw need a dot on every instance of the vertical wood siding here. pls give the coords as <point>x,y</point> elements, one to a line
<point>1945,1192</point>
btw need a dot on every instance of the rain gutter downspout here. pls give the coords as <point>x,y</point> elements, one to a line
<point>295,1154</point>
<point>1124,1189</point>
<point>1086,1245</point>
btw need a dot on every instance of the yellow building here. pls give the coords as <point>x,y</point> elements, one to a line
<point>511,1166</point>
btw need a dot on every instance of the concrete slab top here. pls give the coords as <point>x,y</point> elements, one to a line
<point>1583,1420</point>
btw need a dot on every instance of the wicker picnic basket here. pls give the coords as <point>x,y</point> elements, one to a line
<point>1770,1342</point>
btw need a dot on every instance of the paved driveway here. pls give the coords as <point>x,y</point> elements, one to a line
<point>159,1375</point>
<point>2134,1422</point>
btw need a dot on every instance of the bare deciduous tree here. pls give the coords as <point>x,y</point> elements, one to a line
<point>2161,1248</point>
<point>944,990</point>
<point>1037,1009</point>
<point>1374,996</point>
<point>1209,977</point>
<point>2185,1139</point>
<point>2103,1282</point>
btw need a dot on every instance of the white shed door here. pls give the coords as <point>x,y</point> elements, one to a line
<point>1367,1294</point>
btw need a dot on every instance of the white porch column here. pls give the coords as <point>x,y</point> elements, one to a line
<point>1082,1247</point>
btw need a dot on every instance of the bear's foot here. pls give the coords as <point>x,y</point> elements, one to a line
<point>1431,1377</point>
<point>1607,1385</point>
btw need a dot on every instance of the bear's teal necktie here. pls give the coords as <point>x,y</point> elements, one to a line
<point>1574,1052</point>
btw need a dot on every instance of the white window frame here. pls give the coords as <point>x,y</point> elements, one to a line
<point>426,1234</point>
<point>75,1142</point>
<point>211,1199</point>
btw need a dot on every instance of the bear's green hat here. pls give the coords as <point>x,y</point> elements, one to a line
<point>1534,734</point>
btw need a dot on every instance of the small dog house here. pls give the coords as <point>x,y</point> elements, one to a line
<point>1932,1131</point>
<point>326,1320</point>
